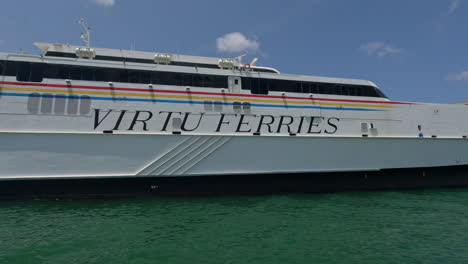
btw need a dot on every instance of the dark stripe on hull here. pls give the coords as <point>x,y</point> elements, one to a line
<point>453,176</point>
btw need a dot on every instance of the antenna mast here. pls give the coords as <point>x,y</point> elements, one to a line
<point>87,52</point>
<point>86,37</point>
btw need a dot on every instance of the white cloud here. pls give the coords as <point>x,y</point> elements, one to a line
<point>104,2</point>
<point>379,49</point>
<point>461,76</point>
<point>236,42</point>
<point>454,5</point>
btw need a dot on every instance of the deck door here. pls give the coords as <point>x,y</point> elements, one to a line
<point>234,84</point>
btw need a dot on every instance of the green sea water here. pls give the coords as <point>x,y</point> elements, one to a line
<point>429,226</point>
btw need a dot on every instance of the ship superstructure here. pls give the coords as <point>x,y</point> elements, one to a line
<point>108,115</point>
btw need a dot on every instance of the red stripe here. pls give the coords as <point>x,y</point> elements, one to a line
<point>201,93</point>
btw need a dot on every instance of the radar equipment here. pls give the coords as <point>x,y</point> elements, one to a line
<point>86,37</point>
<point>87,52</point>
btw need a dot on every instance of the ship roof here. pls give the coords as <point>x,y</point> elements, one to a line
<point>67,50</point>
<point>122,53</point>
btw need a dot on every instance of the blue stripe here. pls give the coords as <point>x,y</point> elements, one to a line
<point>199,102</point>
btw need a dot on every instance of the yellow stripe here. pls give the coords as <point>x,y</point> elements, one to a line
<point>188,97</point>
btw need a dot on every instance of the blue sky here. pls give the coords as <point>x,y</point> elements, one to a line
<point>415,50</point>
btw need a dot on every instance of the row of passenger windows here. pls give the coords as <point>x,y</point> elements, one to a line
<point>35,72</point>
<point>263,86</point>
<point>59,104</point>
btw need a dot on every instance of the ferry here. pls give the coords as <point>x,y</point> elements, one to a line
<point>84,121</point>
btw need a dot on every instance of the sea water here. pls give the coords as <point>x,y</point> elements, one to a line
<point>428,226</point>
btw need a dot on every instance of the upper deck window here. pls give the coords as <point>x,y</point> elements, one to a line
<point>2,67</point>
<point>25,71</point>
<point>35,72</point>
<point>255,85</point>
<point>262,86</point>
<point>85,73</point>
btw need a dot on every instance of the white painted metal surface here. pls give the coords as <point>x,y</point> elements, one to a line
<point>217,131</point>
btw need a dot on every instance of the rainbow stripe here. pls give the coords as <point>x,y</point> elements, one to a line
<point>194,97</point>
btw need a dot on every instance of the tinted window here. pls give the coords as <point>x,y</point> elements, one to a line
<point>305,87</point>
<point>380,93</point>
<point>87,73</point>
<point>99,75</point>
<point>145,77</point>
<point>313,87</point>
<point>187,80</point>
<point>34,72</point>
<point>55,71</point>
<point>37,72</point>
<point>197,81</point>
<point>275,85</point>
<point>219,81</point>
<point>133,77</point>
<point>369,91</point>
<point>155,78</point>
<point>10,68</point>
<point>177,79</point>
<point>75,73</point>
<point>64,72</point>
<point>262,86</point>
<point>207,81</point>
<point>256,85</point>
<point>123,76</point>
<point>2,67</point>
<point>326,88</point>
<point>29,72</point>
<point>246,83</point>
<point>23,70</point>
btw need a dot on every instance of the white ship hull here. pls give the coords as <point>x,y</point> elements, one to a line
<point>59,155</point>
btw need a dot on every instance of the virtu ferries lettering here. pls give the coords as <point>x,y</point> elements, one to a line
<point>125,120</point>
